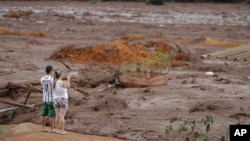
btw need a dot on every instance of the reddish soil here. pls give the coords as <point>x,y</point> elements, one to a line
<point>29,131</point>
<point>30,39</point>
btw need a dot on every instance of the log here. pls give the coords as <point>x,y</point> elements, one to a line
<point>28,95</point>
<point>8,109</point>
<point>67,66</point>
<point>17,104</point>
<point>82,91</point>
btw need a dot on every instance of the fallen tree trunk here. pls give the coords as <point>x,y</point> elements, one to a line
<point>8,109</point>
<point>26,86</point>
<point>17,104</point>
<point>33,83</point>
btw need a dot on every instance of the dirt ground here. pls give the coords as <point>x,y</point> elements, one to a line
<point>29,131</point>
<point>28,41</point>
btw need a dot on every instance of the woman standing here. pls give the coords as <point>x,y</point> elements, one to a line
<point>60,101</point>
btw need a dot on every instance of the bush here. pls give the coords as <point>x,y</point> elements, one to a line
<point>154,2</point>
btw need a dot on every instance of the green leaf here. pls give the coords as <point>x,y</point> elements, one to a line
<point>210,119</point>
<point>208,128</point>
<point>173,119</point>
<point>10,117</point>
<point>222,138</point>
<point>183,128</point>
<point>204,137</point>
<point>196,134</point>
<point>168,129</point>
<point>192,128</point>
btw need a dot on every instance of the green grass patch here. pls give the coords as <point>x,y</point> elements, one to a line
<point>2,128</point>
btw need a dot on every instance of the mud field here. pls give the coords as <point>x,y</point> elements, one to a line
<point>95,39</point>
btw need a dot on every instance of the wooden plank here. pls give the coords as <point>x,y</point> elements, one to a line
<point>235,56</point>
<point>228,52</point>
<point>17,104</point>
<point>235,49</point>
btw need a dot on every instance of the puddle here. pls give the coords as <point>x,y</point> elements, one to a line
<point>132,15</point>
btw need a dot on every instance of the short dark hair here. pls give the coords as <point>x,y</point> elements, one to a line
<point>48,69</point>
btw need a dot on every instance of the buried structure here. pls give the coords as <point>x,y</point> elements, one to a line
<point>138,65</point>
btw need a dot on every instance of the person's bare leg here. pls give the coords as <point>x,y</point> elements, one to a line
<point>43,119</point>
<point>52,123</point>
<point>57,119</point>
<point>62,120</point>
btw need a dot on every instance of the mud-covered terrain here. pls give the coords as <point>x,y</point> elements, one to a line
<point>31,38</point>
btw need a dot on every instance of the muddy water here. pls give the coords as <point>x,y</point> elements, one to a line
<point>135,15</point>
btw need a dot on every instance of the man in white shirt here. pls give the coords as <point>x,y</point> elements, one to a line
<point>47,106</point>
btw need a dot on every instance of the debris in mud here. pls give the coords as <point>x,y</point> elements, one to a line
<point>161,47</point>
<point>94,77</point>
<point>4,31</point>
<point>134,37</point>
<point>116,52</point>
<point>206,41</point>
<point>111,104</point>
<point>33,34</point>
<point>7,117</point>
<point>29,34</point>
<point>17,14</point>
<point>238,116</point>
<point>122,52</point>
<point>136,60</point>
<point>210,105</point>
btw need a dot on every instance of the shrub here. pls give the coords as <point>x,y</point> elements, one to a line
<point>154,2</point>
<point>199,129</point>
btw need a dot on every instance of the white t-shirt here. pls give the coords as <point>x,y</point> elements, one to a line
<point>47,82</point>
<point>59,91</point>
